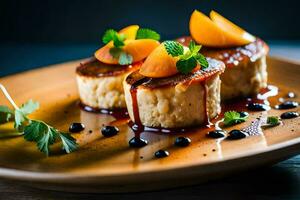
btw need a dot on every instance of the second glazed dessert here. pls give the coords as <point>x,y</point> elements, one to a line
<point>173,99</point>
<point>100,79</point>
<point>243,54</point>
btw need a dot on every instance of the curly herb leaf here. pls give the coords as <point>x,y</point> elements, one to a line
<point>6,114</point>
<point>34,130</point>
<point>233,117</point>
<point>112,35</point>
<point>125,59</point>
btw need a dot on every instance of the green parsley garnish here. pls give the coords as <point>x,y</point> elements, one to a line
<point>146,33</point>
<point>273,121</point>
<point>34,130</point>
<point>112,35</point>
<point>125,58</point>
<point>189,59</point>
<point>233,117</point>
<point>119,41</point>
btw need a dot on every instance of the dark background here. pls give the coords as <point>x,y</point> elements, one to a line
<point>35,33</point>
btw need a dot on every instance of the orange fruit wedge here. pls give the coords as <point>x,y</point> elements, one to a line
<point>130,31</point>
<point>217,31</point>
<point>138,49</point>
<point>159,64</point>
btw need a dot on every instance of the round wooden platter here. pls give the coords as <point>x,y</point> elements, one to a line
<point>109,164</point>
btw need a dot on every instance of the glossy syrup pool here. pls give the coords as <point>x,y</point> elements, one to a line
<point>142,137</point>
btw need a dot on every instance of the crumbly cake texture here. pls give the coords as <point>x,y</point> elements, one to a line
<point>245,79</point>
<point>102,92</point>
<point>176,105</point>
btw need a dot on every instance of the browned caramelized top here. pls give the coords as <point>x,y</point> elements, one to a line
<point>95,68</point>
<point>215,66</point>
<point>235,55</point>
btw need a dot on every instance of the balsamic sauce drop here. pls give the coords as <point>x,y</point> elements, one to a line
<point>257,107</point>
<point>236,134</point>
<point>287,105</point>
<point>161,154</point>
<point>137,142</point>
<point>216,134</point>
<point>182,141</point>
<point>289,115</point>
<point>109,131</point>
<point>76,127</point>
<point>243,114</point>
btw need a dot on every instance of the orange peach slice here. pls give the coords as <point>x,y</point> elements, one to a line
<point>230,27</point>
<point>104,55</point>
<point>138,49</point>
<point>159,64</point>
<point>218,32</point>
<point>130,32</point>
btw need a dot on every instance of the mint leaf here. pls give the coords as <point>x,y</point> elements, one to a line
<point>145,33</point>
<point>173,48</point>
<point>194,48</point>
<point>189,59</point>
<point>201,60</point>
<point>125,59</point>
<point>6,114</point>
<point>233,117</point>
<point>186,66</point>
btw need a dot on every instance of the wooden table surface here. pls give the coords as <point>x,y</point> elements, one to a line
<point>280,181</point>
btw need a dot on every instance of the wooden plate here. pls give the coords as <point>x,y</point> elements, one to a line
<point>109,165</point>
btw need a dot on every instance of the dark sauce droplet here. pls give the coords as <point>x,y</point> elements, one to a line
<point>109,131</point>
<point>258,107</point>
<point>291,95</point>
<point>182,141</point>
<point>244,114</point>
<point>236,134</point>
<point>287,105</point>
<point>161,154</point>
<point>76,127</point>
<point>289,115</point>
<point>216,134</point>
<point>137,142</point>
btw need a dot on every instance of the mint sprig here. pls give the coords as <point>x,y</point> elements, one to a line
<point>174,48</point>
<point>188,59</point>
<point>146,33</point>
<point>37,131</point>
